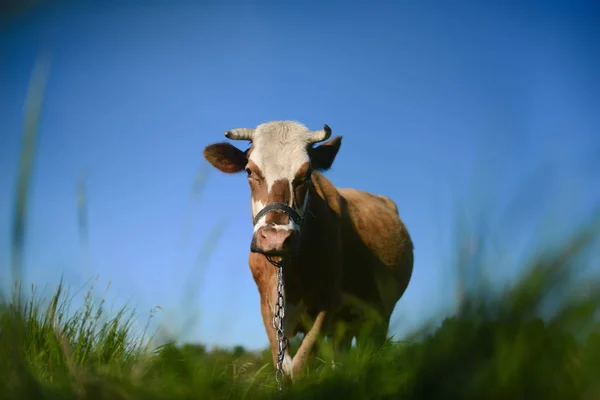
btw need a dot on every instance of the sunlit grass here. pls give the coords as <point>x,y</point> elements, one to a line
<point>537,339</point>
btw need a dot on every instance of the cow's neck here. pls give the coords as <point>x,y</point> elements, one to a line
<point>303,269</point>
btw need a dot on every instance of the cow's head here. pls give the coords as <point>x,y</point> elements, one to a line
<point>279,163</point>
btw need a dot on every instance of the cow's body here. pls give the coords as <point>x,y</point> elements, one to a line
<point>348,264</point>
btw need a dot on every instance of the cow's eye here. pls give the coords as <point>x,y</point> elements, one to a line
<point>248,171</point>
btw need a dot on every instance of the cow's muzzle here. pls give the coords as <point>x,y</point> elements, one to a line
<point>273,240</point>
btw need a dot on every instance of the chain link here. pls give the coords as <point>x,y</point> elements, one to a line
<point>278,315</point>
<point>279,307</point>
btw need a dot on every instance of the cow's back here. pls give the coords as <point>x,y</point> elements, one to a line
<point>378,250</point>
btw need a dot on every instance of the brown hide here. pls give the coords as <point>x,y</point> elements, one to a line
<point>355,259</point>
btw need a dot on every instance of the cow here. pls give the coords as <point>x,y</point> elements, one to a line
<point>346,255</point>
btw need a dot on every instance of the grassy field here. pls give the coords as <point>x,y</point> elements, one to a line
<point>539,338</point>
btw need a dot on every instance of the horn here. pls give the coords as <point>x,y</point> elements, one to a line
<point>320,135</point>
<point>240,134</point>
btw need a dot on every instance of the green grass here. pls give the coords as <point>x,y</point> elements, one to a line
<point>539,338</point>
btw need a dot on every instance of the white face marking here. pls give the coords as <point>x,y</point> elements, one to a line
<point>256,206</point>
<point>279,150</point>
<point>291,225</point>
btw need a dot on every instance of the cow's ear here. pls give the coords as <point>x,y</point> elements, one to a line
<point>225,157</point>
<point>322,157</point>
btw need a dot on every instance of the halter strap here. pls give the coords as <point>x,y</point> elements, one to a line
<point>276,206</point>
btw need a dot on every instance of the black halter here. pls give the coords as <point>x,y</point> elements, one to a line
<point>293,214</point>
<point>284,208</point>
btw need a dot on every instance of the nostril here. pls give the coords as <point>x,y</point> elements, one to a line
<point>262,234</point>
<point>272,241</point>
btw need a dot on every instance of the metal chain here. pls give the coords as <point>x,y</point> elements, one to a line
<point>278,315</point>
<point>279,307</point>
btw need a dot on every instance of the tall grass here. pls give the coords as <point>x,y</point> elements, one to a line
<point>33,105</point>
<point>538,338</point>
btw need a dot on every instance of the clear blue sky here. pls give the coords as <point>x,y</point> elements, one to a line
<point>440,107</point>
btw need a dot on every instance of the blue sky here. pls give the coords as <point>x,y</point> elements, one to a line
<point>441,108</point>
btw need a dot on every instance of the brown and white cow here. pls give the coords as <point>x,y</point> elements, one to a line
<point>347,255</point>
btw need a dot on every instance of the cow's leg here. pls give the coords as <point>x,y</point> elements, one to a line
<point>267,315</point>
<point>308,345</point>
